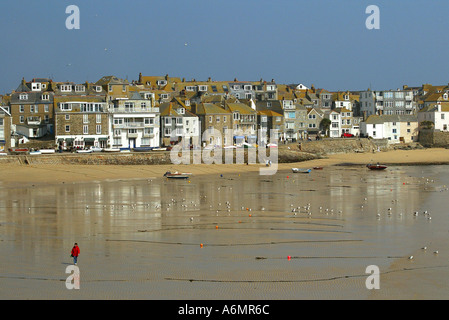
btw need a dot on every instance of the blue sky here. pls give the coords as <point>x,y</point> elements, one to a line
<point>320,42</point>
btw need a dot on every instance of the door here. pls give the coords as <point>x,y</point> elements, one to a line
<point>132,142</point>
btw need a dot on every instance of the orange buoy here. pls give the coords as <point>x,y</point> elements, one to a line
<point>250,215</point>
<point>216,227</point>
<point>289,257</point>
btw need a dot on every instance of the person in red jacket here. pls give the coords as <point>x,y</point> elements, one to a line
<point>75,253</point>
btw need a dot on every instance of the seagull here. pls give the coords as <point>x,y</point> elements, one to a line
<point>410,258</point>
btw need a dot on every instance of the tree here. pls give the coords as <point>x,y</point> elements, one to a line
<point>325,125</point>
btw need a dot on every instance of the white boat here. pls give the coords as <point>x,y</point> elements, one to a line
<point>84,151</point>
<point>47,151</point>
<point>3,154</point>
<point>272,145</point>
<point>35,152</point>
<point>159,149</point>
<point>111,150</point>
<point>176,175</point>
<point>301,170</point>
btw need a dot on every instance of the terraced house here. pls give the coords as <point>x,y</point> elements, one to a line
<point>81,116</point>
<point>214,119</point>
<point>244,122</point>
<point>178,123</point>
<point>31,108</point>
<point>134,121</point>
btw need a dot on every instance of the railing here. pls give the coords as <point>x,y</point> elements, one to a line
<point>129,125</point>
<point>134,110</point>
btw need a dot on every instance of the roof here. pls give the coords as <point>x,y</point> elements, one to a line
<point>433,107</point>
<point>210,108</point>
<point>107,80</point>
<point>269,113</point>
<point>171,109</point>
<point>240,108</point>
<point>380,119</point>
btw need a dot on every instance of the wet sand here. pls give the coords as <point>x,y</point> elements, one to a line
<point>31,174</point>
<point>263,237</point>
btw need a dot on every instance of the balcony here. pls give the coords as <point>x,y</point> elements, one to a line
<point>129,125</point>
<point>133,134</point>
<point>34,121</point>
<point>134,110</point>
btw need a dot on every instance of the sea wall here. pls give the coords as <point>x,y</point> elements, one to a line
<point>287,153</point>
<point>433,139</point>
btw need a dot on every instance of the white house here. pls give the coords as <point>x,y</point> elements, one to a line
<point>334,117</point>
<point>394,128</point>
<point>436,113</point>
<point>134,122</point>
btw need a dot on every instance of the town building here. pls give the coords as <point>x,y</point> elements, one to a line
<point>134,122</point>
<point>394,128</point>
<point>389,102</point>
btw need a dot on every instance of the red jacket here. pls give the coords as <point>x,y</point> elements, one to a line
<point>75,251</point>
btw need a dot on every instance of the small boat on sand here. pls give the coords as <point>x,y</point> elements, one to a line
<point>84,151</point>
<point>317,168</point>
<point>300,170</point>
<point>111,150</point>
<point>47,151</point>
<point>176,175</point>
<point>376,166</point>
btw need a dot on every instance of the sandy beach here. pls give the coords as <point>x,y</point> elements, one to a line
<point>33,174</point>
<point>236,236</point>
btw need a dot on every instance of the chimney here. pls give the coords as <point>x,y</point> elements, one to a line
<point>166,76</point>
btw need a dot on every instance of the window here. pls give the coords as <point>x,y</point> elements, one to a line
<point>31,108</point>
<point>442,116</point>
<point>36,108</point>
<point>98,118</point>
<point>109,88</point>
<point>247,87</point>
<point>117,141</point>
<point>98,128</point>
<point>23,96</point>
<point>117,132</point>
<point>164,96</point>
<point>98,88</point>
<point>394,131</point>
<point>67,116</point>
<point>85,129</point>
<point>225,119</point>
<point>80,88</point>
<point>217,119</point>
<point>312,116</point>
<point>67,128</point>
<point>21,109</point>
<point>202,88</point>
<point>210,118</point>
<point>65,106</point>
<point>374,133</point>
<point>85,118</point>
<point>45,97</point>
<point>124,88</point>
<point>46,108</point>
<point>47,118</point>
<point>408,131</point>
<point>22,119</point>
<point>66,88</point>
